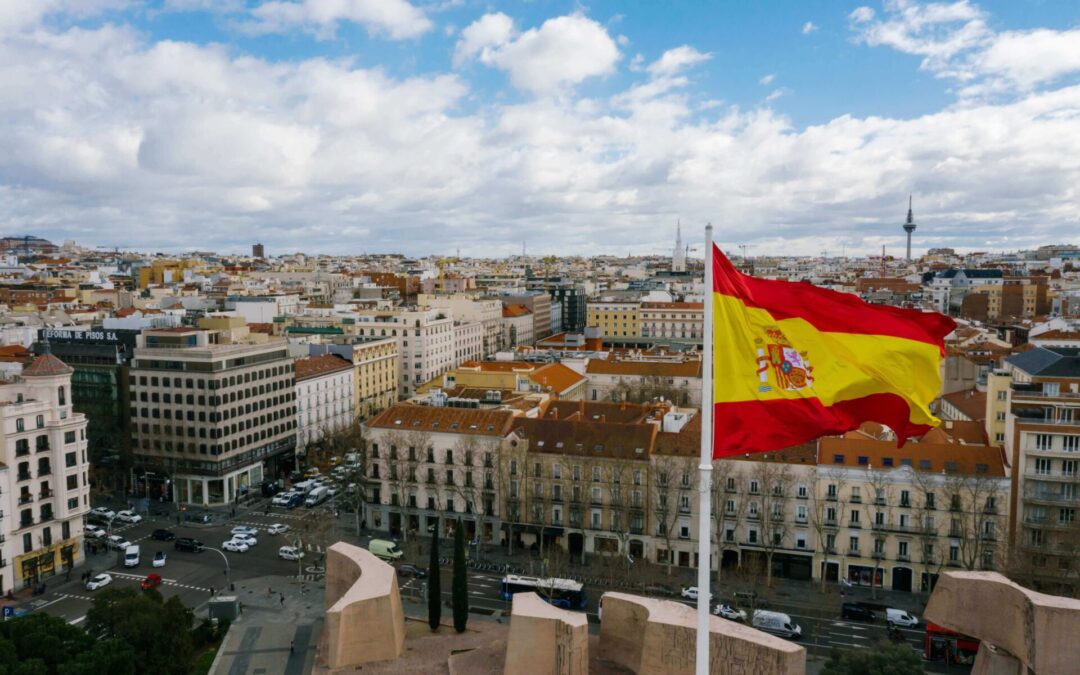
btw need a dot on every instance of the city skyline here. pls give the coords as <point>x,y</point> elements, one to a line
<point>183,125</point>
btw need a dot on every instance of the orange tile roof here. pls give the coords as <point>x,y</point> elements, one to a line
<point>600,411</point>
<point>607,440</point>
<point>644,368</point>
<point>47,365</point>
<point>317,366</point>
<point>673,305</point>
<point>971,402</point>
<point>515,310</point>
<point>406,417</point>
<point>557,376</point>
<point>931,454</point>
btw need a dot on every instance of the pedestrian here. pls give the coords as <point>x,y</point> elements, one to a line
<point>269,591</point>
<point>211,591</point>
<point>282,599</point>
<point>292,645</point>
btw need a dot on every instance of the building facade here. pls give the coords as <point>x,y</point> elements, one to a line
<point>615,319</point>
<point>44,477</point>
<point>425,340</point>
<point>377,365</point>
<point>211,414</point>
<point>680,321</point>
<point>324,397</point>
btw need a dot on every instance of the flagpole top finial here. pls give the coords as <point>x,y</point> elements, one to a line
<point>708,226</point>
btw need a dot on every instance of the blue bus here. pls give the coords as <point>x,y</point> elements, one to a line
<point>565,593</point>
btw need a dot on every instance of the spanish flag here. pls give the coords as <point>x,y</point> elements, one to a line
<point>792,362</point>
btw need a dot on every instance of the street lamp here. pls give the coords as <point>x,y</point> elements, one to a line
<point>228,576</point>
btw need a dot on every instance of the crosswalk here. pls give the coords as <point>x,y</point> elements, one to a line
<point>75,596</point>
<point>167,582</point>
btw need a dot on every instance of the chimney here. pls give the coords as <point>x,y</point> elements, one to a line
<point>554,412</point>
<point>581,408</point>
<point>603,417</point>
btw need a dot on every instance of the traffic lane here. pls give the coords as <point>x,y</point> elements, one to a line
<point>827,633</point>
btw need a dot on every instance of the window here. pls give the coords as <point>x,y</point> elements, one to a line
<point>853,544</point>
<point>28,543</point>
<point>802,492</point>
<point>596,473</point>
<point>1002,395</point>
<point>20,424</point>
<point>61,396</point>
<point>40,421</point>
<point>838,459</point>
<point>556,471</point>
<point>1042,466</point>
<point>800,514</point>
<point>1070,443</point>
<point>1000,416</point>
<point>1043,441</point>
<point>69,437</point>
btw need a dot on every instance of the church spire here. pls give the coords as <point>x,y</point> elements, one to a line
<point>678,256</point>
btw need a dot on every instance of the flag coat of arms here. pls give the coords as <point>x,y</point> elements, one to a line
<point>793,362</point>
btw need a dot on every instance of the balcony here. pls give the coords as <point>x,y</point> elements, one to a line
<point>855,525</point>
<point>903,557</point>
<point>44,471</point>
<point>24,475</point>
<point>854,553</point>
<point>830,498</point>
<point>637,529</point>
<point>22,451</point>
<point>856,499</point>
<point>830,522</point>
<point>878,555</point>
<point>26,499</point>
<point>831,550</point>
<point>904,529</point>
<point>954,563</point>
<point>905,504</point>
<point>597,501</point>
<point>879,501</point>
<point>26,522</point>
<point>992,510</point>
<point>800,520</point>
<point>556,499</point>
<point>42,447</point>
<point>45,494</point>
<point>45,517</point>
<point>1054,476</point>
<point>1055,497</point>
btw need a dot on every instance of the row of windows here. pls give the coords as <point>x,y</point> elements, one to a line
<point>228,397</point>
<point>46,535</point>
<point>213,432</point>
<point>213,384</point>
<point>215,449</point>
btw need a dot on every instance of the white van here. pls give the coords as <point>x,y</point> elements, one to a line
<point>304,486</point>
<point>387,550</point>
<point>290,553</point>
<point>317,496</point>
<point>776,623</point>
<point>898,617</point>
<point>131,556</point>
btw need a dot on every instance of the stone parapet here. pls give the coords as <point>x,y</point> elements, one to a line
<point>546,640</point>
<point>365,621</point>
<point>1039,630</point>
<point>657,637</point>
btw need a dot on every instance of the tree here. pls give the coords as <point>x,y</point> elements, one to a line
<point>773,480</point>
<point>646,389</point>
<point>974,504</point>
<point>727,507</point>
<point>877,503</point>
<point>434,583</point>
<point>884,658</point>
<point>460,587</point>
<point>513,477</point>
<point>669,483</point>
<point>39,643</point>
<point>158,632</point>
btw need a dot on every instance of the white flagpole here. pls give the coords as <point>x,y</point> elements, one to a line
<point>705,468</point>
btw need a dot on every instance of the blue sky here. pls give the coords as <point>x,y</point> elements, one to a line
<point>337,125</point>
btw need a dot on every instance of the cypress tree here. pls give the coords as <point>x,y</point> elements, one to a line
<point>434,587</point>
<point>460,588</point>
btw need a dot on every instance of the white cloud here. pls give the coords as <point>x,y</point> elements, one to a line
<point>767,80</point>
<point>809,27</point>
<point>395,19</point>
<point>956,42</point>
<point>562,52</point>
<point>109,139</point>
<point>773,95</point>
<point>674,60</point>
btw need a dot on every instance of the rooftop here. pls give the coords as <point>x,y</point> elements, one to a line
<point>316,366</point>
<point>408,417</point>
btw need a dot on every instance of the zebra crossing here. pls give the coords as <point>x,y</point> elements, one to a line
<point>168,582</point>
<point>75,596</point>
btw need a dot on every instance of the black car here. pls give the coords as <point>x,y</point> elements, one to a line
<point>850,610</point>
<point>410,570</point>
<point>162,535</point>
<point>661,590</point>
<point>188,544</point>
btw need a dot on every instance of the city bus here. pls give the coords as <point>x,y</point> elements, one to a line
<point>942,644</point>
<point>565,593</point>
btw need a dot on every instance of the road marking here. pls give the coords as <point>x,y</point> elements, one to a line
<point>75,622</point>
<point>62,596</point>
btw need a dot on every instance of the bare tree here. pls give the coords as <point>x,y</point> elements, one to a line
<point>394,470</point>
<point>774,483</point>
<point>513,477</point>
<point>727,507</point>
<point>650,388</point>
<point>974,505</point>
<point>875,503</point>
<point>672,485</point>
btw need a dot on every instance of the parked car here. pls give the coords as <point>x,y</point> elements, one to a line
<point>410,570</point>
<point>151,581</point>
<point>246,538</point>
<point>277,528</point>
<point>244,529</point>
<point>128,517</point>
<point>282,498</point>
<point>387,550</point>
<point>163,535</point>
<point>99,581</point>
<point>93,531</point>
<point>188,544</point>
<point>131,555</point>
<point>850,610</point>
<point>117,543</point>
<point>729,612</point>
<point>296,500</point>
<point>235,546</point>
<point>691,593</point>
<point>660,589</point>
<point>159,559</point>
<point>290,553</point>
<point>898,617</point>
<point>102,512</point>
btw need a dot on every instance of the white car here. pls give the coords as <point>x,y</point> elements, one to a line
<point>248,539</point>
<point>691,593</point>
<point>99,581</point>
<point>159,559</point>
<point>94,531</point>
<point>281,499</point>
<point>117,543</point>
<point>243,529</point>
<point>102,512</point>
<point>331,492</point>
<point>235,546</point>
<point>729,612</point>
<point>290,553</point>
<point>277,528</point>
<point>128,517</point>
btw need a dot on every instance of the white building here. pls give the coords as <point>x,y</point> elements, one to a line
<point>468,342</point>
<point>324,397</point>
<point>425,339</point>
<point>471,308</point>
<point>43,475</point>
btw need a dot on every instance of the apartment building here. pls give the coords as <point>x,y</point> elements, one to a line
<point>539,303</point>
<point>429,466</point>
<point>43,475</point>
<point>675,321</point>
<point>213,410</point>
<point>643,376</point>
<point>507,377</point>
<point>1043,440</point>
<point>518,326</point>
<point>472,308</point>
<point>425,340</point>
<point>468,342</point>
<point>324,397</point>
<point>615,319</point>
<point>377,367</point>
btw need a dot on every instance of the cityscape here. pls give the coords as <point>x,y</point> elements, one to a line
<point>290,377</point>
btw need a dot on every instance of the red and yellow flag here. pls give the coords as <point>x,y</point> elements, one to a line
<point>792,362</point>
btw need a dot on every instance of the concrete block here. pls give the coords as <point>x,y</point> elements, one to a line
<point>365,621</point>
<point>658,637</point>
<point>546,640</point>
<point>1039,630</point>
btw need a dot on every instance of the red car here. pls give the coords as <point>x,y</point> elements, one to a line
<point>151,581</point>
